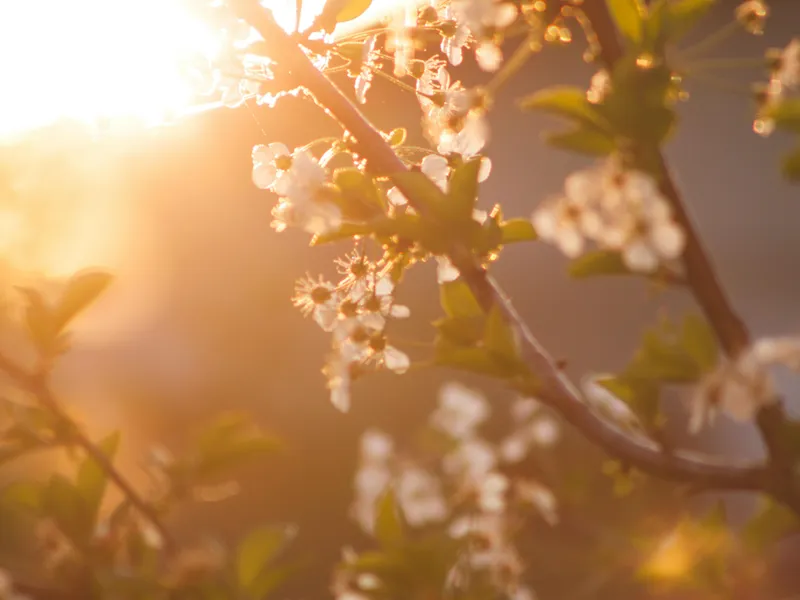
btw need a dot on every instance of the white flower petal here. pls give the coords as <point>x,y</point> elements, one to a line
<point>485,168</point>
<point>395,360</point>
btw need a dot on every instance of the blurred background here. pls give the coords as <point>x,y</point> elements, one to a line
<point>199,318</point>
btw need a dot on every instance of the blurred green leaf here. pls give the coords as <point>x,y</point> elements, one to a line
<point>24,494</point>
<point>361,198</point>
<point>499,338</point>
<point>700,342</point>
<point>681,16</point>
<point>457,300</point>
<point>91,480</point>
<point>81,291</point>
<point>583,140</point>
<point>628,16</point>
<point>474,360</point>
<point>420,187</point>
<point>771,523</point>
<point>62,501</point>
<point>790,165</point>
<point>785,113</point>
<point>462,191</point>
<point>232,439</point>
<point>598,262</point>
<point>388,520</point>
<point>256,552</point>
<point>462,331</point>
<point>517,230</point>
<point>565,101</point>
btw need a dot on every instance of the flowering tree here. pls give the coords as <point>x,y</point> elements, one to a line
<point>450,517</point>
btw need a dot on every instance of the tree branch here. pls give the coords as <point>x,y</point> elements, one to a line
<point>555,389</point>
<point>38,386</point>
<point>701,276</point>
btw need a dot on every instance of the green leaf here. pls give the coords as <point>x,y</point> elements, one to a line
<point>682,15</point>
<point>91,480</point>
<point>785,113</point>
<point>361,198</point>
<point>790,165</point>
<point>462,190</point>
<point>397,136</point>
<point>457,300</point>
<point>599,262</point>
<point>565,101</point>
<point>699,341</point>
<point>473,360</point>
<point>388,521</point>
<point>256,552</point>
<point>628,16</point>
<point>230,441</point>
<point>81,291</point>
<point>586,141</point>
<point>517,230</point>
<point>38,318</point>
<point>24,494</point>
<point>663,359</point>
<point>499,338</point>
<point>770,524</point>
<point>62,501</point>
<point>352,9</point>
<point>414,184</point>
<point>461,331</point>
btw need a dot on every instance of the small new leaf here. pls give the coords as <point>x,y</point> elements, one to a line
<point>565,101</point>
<point>499,338</point>
<point>92,479</point>
<point>388,521</point>
<point>628,16</point>
<point>256,552</point>
<point>699,341</point>
<point>517,230</point>
<point>790,165</point>
<point>463,188</point>
<point>682,15</point>
<point>583,140</point>
<point>457,300</point>
<point>81,291</point>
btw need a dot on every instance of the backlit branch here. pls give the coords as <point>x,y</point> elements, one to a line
<point>553,388</point>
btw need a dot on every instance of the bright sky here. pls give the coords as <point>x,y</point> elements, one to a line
<point>91,60</point>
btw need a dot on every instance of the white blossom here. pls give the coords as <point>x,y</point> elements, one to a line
<point>420,495</point>
<point>318,299</point>
<point>446,270</point>
<point>460,410</point>
<point>540,497</point>
<point>491,492</point>
<point>369,56</point>
<point>745,385</point>
<point>268,161</point>
<point>472,460</point>
<point>455,38</point>
<point>376,446</point>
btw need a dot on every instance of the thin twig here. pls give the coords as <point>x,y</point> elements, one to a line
<point>553,388</point>
<point>38,386</point>
<point>702,279</point>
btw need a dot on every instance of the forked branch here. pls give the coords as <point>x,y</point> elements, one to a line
<point>554,388</point>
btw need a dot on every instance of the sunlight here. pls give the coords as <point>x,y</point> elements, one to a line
<point>100,61</point>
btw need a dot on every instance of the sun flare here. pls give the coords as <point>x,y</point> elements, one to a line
<point>95,61</point>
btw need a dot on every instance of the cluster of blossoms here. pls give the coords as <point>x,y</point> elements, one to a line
<point>741,387</point>
<point>620,210</point>
<point>355,311</point>
<point>299,180</point>
<point>465,492</point>
<point>784,79</point>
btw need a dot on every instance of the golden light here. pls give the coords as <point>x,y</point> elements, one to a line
<point>99,60</point>
<point>672,559</point>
